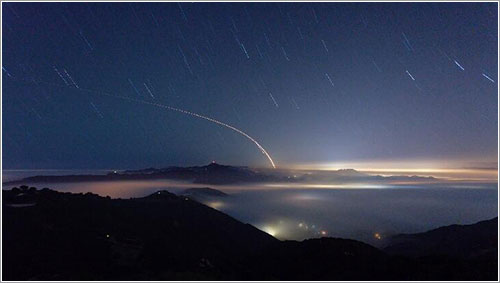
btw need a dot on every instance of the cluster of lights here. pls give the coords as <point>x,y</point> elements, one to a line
<point>282,229</point>
<point>306,227</point>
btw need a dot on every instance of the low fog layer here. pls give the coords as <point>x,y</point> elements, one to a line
<point>369,213</point>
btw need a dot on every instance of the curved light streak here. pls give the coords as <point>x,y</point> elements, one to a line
<point>201,117</point>
<point>262,149</point>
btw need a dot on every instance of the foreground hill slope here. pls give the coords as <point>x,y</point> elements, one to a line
<point>48,235</point>
<point>52,236</point>
<point>479,240</point>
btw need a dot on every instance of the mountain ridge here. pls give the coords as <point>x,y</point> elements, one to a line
<point>162,236</point>
<point>217,174</point>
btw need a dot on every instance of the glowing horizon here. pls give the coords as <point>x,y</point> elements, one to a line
<point>461,170</point>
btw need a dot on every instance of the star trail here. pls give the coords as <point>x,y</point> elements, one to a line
<point>311,82</point>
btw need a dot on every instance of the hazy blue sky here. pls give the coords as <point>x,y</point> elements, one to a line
<point>321,82</point>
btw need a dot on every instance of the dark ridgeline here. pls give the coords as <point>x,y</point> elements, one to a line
<point>474,241</point>
<point>203,193</point>
<point>217,174</point>
<point>48,235</point>
<point>210,174</point>
<point>88,237</point>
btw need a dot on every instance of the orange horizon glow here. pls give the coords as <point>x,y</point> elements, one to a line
<point>459,170</point>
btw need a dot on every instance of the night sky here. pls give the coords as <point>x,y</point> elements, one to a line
<point>312,83</point>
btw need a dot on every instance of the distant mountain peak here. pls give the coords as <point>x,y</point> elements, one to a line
<point>205,191</point>
<point>215,164</point>
<point>160,195</point>
<point>350,172</point>
<point>347,170</point>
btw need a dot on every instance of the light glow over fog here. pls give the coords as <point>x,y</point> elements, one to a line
<point>214,204</point>
<point>117,189</point>
<point>301,211</point>
<point>449,170</point>
<point>327,186</point>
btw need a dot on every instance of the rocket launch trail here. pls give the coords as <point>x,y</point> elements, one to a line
<point>102,93</point>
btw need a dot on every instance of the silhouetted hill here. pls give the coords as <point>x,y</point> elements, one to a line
<point>66,236</point>
<point>325,259</point>
<point>48,235</point>
<point>203,192</point>
<point>479,240</point>
<point>210,174</point>
<point>216,174</point>
<point>350,173</point>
